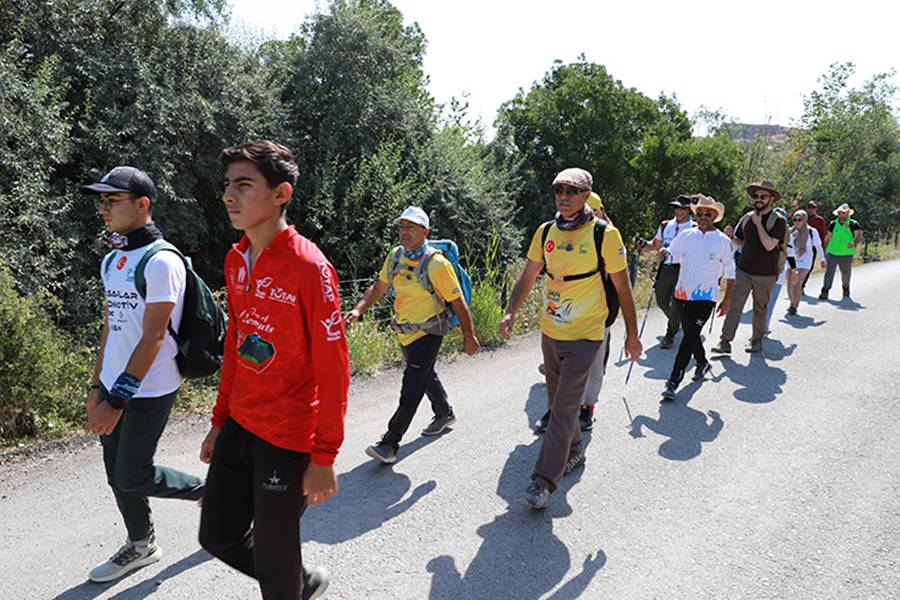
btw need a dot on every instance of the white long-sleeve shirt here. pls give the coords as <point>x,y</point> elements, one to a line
<point>704,257</point>
<point>806,260</point>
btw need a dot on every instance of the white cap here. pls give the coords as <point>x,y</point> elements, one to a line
<point>416,215</point>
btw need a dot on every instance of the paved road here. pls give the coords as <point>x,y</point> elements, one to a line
<point>778,479</point>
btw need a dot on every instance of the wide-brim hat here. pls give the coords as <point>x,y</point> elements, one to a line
<point>766,185</point>
<point>843,208</point>
<point>708,202</point>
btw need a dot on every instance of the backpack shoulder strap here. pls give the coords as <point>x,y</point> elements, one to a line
<point>422,268</point>
<point>109,261</point>
<point>140,281</point>
<point>599,230</point>
<point>545,231</point>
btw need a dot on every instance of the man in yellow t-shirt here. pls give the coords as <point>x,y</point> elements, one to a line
<point>572,320</point>
<point>421,319</point>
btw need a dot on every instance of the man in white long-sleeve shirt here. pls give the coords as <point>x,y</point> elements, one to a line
<point>705,255</point>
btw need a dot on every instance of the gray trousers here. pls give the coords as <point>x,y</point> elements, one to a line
<point>566,367</point>
<point>665,297</point>
<point>761,288</point>
<point>833,262</point>
<point>594,384</point>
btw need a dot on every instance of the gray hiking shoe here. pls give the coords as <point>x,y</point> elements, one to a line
<point>537,495</point>
<point>575,461</point>
<point>129,557</point>
<point>723,348</point>
<point>754,346</point>
<point>439,424</point>
<point>382,452</point>
<point>316,583</point>
<point>701,371</point>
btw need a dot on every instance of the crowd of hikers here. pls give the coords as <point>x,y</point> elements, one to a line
<point>278,420</point>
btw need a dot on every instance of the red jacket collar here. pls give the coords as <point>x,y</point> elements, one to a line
<point>281,239</point>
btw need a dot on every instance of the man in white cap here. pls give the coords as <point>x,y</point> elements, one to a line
<point>573,320</point>
<point>705,255</point>
<point>841,240</point>
<point>421,319</point>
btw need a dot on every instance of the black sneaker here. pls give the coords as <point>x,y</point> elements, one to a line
<point>791,310</point>
<point>846,292</point>
<point>668,393</point>
<point>723,348</point>
<point>754,346</point>
<point>586,417</point>
<point>701,371</point>
<point>316,583</point>
<point>537,495</point>
<point>439,424</point>
<point>823,295</point>
<point>382,452</point>
<point>574,462</point>
<point>667,342</point>
<point>540,426</point>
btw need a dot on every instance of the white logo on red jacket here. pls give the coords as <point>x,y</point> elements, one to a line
<point>265,290</point>
<point>332,326</point>
<point>327,283</point>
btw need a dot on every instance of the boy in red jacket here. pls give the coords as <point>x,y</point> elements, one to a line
<point>278,421</point>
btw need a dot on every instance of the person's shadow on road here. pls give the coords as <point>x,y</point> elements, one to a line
<point>520,556</point>
<point>686,428</point>
<point>146,587</point>
<point>801,321</point>
<point>760,383</point>
<point>847,304</point>
<point>370,495</point>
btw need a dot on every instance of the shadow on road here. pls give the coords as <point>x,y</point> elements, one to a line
<point>147,587</point>
<point>847,304</point>
<point>801,321</point>
<point>685,427</point>
<point>370,495</point>
<point>759,382</point>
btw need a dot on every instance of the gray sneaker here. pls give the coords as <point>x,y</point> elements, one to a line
<point>316,583</point>
<point>129,557</point>
<point>574,462</point>
<point>754,346</point>
<point>537,495</point>
<point>439,424</point>
<point>723,348</point>
<point>383,453</point>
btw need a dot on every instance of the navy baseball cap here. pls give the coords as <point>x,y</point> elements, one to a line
<point>124,179</point>
<point>682,201</point>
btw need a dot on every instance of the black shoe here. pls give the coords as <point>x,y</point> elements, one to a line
<point>540,426</point>
<point>667,342</point>
<point>754,346</point>
<point>823,295</point>
<point>316,583</point>
<point>586,417</point>
<point>668,393</point>
<point>382,452</point>
<point>439,424</point>
<point>791,310</point>
<point>701,371</point>
<point>723,348</point>
<point>846,292</point>
<point>574,462</point>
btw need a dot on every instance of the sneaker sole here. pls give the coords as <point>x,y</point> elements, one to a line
<point>441,430</point>
<point>141,562</point>
<point>371,452</point>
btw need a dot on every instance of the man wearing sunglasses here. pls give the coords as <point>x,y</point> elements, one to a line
<point>573,319</point>
<point>705,255</point>
<point>760,234</point>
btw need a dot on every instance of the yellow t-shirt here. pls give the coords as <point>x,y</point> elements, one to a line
<point>412,302</point>
<point>575,310</point>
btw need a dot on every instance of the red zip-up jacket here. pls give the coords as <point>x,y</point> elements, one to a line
<point>286,371</point>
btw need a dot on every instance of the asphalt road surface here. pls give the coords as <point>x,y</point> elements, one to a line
<point>778,478</point>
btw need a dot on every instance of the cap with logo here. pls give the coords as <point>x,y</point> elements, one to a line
<point>124,179</point>
<point>416,215</point>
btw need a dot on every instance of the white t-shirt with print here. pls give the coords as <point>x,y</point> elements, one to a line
<point>704,257</point>
<point>669,231</point>
<point>165,277</point>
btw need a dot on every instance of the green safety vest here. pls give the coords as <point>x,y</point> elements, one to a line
<point>840,237</point>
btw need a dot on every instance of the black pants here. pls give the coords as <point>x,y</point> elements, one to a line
<point>811,267</point>
<point>694,315</point>
<point>130,471</point>
<point>665,297</point>
<point>419,379</point>
<point>251,510</point>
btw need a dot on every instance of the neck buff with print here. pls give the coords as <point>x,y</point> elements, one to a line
<point>140,237</point>
<point>802,238</point>
<point>577,220</point>
<point>415,254</point>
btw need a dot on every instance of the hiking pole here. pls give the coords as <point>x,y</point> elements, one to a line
<point>632,275</point>
<point>646,312</point>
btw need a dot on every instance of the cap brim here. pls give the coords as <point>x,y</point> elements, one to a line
<point>97,188</point>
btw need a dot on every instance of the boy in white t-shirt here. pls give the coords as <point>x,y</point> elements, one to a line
<point>136,377</point>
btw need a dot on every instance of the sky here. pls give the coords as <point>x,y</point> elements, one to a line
<point>754,61</point>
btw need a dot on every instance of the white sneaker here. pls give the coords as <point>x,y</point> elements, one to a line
<point>129,557</point>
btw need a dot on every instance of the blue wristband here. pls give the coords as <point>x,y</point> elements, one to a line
<point>125,387</point>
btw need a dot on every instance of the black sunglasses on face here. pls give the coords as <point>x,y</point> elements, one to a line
<point>562,190</point>
<point>761,196</point>
<point>705,215</point>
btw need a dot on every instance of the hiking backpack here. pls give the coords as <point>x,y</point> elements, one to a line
<point>446,318</point>
<point>612,296</point>
<point>201,334</point>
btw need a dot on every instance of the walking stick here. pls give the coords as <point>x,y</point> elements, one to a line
<point>646,312</point>
<point>632,275</point>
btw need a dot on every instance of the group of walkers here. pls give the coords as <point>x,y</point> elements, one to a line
<point>278,419</point>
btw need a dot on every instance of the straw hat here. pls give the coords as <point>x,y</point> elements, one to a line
<point>708,202</point>
<point>843,208</point>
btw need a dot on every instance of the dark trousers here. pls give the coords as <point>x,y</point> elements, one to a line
<point>251,510</point>
<point>845,263</point>
<point>665,297</point>
<point>419,379</point>
<point>811,267</point>
<point>128,458</point>
<point>694,315</point>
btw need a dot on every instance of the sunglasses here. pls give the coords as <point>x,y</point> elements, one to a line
<point>705,215</point>
<point>563,190</point>
<point>761,196</point>
<point>799,220</point>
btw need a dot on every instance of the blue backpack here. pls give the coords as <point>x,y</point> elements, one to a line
<point>445,318</point>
